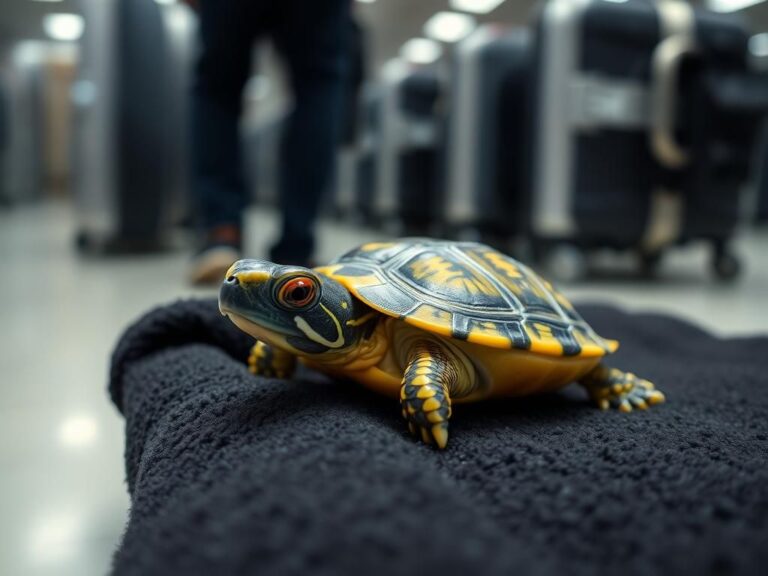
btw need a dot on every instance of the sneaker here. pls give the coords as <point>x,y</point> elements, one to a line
<point>222,249</point>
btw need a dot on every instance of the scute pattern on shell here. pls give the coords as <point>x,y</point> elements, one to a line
<point>467,291</point>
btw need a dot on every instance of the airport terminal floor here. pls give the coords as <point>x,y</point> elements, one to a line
<point>64,499</point>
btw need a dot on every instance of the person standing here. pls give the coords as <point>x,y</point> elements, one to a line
<point>311,38</point>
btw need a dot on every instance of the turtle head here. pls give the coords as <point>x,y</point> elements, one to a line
<point>290,307</point>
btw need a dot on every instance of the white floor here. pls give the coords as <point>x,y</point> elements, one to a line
<point>63,500</point>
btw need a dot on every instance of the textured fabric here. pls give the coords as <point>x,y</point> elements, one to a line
<point>231,474</point>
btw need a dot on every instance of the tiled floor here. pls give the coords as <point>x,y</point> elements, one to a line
<point>62,497</point>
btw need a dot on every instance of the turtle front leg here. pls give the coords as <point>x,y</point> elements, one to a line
<point>431,378</point>
<point>265,360</point>
<point>609,387</point>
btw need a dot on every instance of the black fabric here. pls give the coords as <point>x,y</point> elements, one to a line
<point>230,474</point>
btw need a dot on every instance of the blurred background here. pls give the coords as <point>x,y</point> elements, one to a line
<point>618,145</point>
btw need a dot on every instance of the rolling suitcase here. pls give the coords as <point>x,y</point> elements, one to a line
<point>622,137</point>
<point>721,110</point>
<point>486,150</point>
<point>761,189</point>
<point>129,124</point>
<point>418,161</point>
<point>23,177</point>
<point>357,146</point>
<point>366,155</point>
<point>406,167</point>
<point>4,138</point>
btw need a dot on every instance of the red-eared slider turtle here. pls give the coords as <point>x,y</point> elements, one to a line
<point>429,322</point>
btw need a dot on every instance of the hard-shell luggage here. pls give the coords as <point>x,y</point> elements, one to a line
<point>128,133</point>
<point>643,115</point>
<point>407,163</point>
<point>22,149</point>
<point>490,80</point>
<point>419,156</point>
<point>367,155</point>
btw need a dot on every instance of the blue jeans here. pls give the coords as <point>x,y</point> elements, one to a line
<point>311,37</point>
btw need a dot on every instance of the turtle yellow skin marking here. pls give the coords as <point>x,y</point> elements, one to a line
<point>430,323</point>
<point>269,362</point>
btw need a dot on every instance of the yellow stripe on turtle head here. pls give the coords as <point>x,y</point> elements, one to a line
<point>253,277</point>
<point>312,334</point>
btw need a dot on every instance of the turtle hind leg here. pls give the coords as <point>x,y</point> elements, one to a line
<point>269,362</point>
<point>431,378</point>
<point>612,388</point>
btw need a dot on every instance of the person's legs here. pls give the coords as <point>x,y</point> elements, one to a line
<point>312,37</point>
<point>226,36</point>
<point>218,189</point>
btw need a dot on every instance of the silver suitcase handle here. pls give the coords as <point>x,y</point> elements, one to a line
<point>667,60</point>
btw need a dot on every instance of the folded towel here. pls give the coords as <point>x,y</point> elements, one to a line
<point>233,474</point>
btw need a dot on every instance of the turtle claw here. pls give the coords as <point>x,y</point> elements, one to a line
<point>435,435</point>
<point>612,388</point>
<point>440,435</point>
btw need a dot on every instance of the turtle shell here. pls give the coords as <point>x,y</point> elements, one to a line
<point>467,291</point>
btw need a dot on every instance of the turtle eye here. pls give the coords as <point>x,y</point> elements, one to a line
<point>297,292</point>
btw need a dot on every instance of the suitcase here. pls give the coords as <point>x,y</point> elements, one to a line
<point>407,163</point>
<point>629,112</point>
<point>129,126</point>
<point>24,99</point>
<point>357,148</point>
<point>366,155</point>
<point>5,121</point>
<point>419,158</point>
<point>761,188</point>
<point>486,154</point>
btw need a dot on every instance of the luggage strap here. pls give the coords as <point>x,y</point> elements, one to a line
<point>665,214</point>
<point>678,41</point>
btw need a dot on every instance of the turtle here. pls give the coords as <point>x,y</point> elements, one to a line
<point>430,322</point>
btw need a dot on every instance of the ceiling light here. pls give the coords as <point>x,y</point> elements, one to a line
<point>476,6</point>
<point>366,1</point>
<point>48,0</point>
<point>63,26</point>
<point>449,26</point>
<point>730,5</point>
<point>165,2</point>
<point>421,50</point>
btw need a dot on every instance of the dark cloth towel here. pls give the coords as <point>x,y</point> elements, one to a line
<point>233,474</point>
